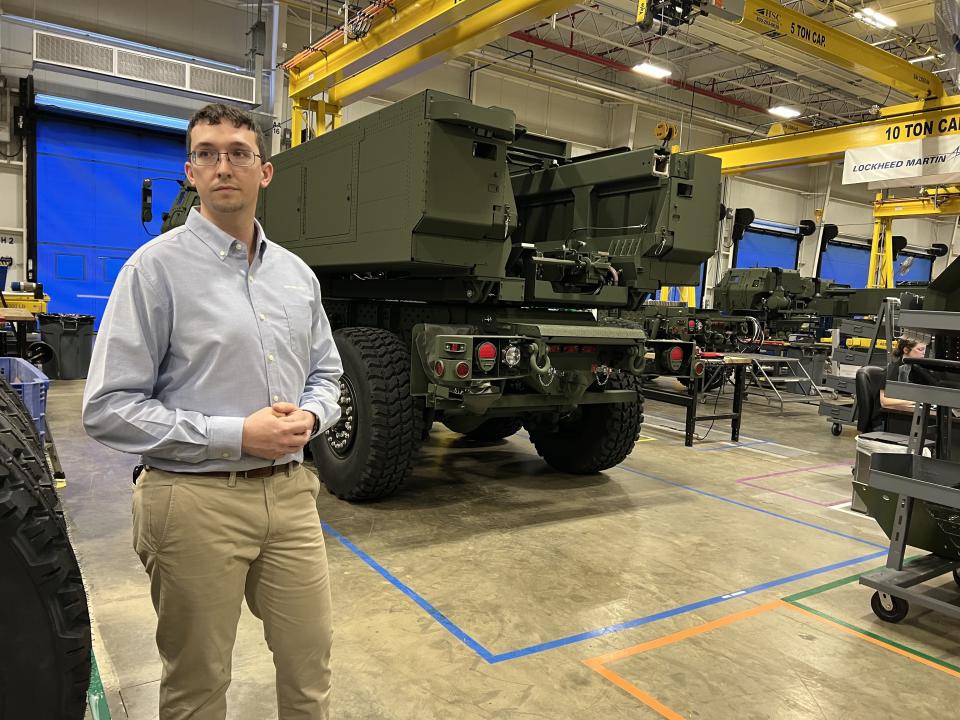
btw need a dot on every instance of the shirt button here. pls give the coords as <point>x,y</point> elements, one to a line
<point>238,246</point>
<point>262,316</point>
<point>225,455</point>
<point>222,253</point>
<point>270,358</point>
<point>276,398</point>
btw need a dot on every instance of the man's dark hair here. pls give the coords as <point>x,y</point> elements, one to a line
<point>216,113</point>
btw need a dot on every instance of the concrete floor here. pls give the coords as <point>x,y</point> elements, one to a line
<point>495,588</point>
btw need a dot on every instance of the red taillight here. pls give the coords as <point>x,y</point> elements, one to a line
<point>438,368</point>
<point>588,348</point>
<point>672,358</point>
<point>487,351</point>
<point>463,369</point>
<point>698,369</point>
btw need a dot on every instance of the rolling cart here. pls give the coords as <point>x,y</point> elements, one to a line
<point>916,499</point>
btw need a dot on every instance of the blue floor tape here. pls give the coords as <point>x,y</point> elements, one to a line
<point>731,501</point>
<point>493,658</point>
<point>412,594</point>
<point>715,600</point>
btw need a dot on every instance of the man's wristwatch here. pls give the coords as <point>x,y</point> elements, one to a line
<point>316,423</point>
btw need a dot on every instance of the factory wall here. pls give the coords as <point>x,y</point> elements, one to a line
<point>208,29</point>
<point>217,30</point>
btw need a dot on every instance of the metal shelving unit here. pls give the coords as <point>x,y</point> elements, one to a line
<point>916,499</point>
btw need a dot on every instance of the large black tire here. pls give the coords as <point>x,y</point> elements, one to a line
<point>44,623</point>
<point>594,437</point>
<point>383,421</point>
<point>491,430</point>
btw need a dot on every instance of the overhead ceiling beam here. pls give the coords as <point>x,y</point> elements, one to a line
<point>508,66</point>
<point>614,65</point>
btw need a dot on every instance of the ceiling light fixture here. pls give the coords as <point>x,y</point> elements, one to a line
<point>874,18</point>
<point>925,58</point>
<point>785,112</point>
<point>651,70</point>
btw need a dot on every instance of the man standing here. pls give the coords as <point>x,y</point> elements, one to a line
<point>215,362</point>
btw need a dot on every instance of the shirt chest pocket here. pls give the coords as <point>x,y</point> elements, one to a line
<point>300,326</point>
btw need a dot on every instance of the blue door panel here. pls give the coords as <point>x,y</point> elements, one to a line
<point>845,265</point>
<point>88,204</point>
<point>756,249</point>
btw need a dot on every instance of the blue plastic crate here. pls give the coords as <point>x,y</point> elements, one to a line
<point>31,385</point>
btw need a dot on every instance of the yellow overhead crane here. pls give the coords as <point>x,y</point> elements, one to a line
<point>393,37</point>
<point>793,28</point>
<point>898,123</point>
<point>402,36</point>
<point>942,201</point>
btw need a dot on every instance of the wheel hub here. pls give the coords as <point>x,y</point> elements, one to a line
<point>341,436</point>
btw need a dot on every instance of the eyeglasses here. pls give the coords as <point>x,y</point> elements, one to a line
<point>239,157</point>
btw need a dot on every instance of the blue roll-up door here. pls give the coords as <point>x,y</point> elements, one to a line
<point>89,174</point>
<point>845,264</point>
<point>766,249</point>
<point>850,265</point>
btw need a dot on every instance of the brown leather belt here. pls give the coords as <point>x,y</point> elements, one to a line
<point>261,472</point>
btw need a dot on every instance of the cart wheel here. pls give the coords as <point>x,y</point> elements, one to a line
<point>898,608</point>
<point>836,429</point>
<point>956,575</point>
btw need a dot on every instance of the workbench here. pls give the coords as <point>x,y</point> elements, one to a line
<point>717,364</point>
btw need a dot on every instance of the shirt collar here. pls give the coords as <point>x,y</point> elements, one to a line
<point>222,243</point>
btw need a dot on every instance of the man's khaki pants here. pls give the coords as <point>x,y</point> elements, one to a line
<point>206,542</point>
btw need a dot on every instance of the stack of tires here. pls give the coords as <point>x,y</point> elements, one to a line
<point>44,623</point>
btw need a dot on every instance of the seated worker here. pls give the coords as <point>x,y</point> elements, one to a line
<point>897,371</point>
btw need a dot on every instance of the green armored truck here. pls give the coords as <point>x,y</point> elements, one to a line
<point>463,267</point>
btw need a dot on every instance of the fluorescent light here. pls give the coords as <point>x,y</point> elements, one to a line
<point>784,112</point>
<point>651,70</point>
<point>936,72</point>
<point>922,59</point>
<point>874,18</point>
<point>884,20</point>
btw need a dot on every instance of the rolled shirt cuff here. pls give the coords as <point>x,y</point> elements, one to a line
<point>226,438</point>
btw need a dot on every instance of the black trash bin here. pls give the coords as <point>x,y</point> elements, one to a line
<point>71,337</point>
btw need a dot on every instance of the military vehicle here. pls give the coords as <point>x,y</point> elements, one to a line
<point>788,304</point>
<point>463,264</point>
<point>754,305</point>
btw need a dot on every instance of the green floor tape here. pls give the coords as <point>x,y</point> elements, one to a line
<point>96,699</point>
<point>794,600</point>
<point>875,636</point>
